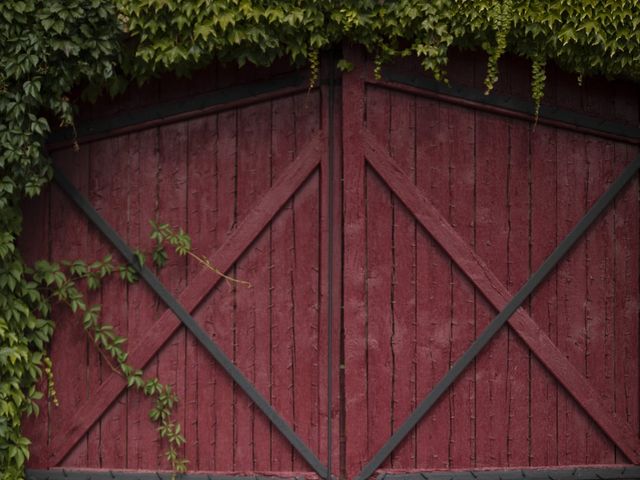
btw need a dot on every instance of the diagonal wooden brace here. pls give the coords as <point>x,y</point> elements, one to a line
<point>179,309</point>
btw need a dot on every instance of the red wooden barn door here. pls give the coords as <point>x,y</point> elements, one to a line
<point>249,183</point>
<point>448,211</point>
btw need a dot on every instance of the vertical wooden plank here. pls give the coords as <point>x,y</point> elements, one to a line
<point>254,130</point>
<point>305,280</point>
<point>626,294</point>
<point>283,144</point>
<point>492,158</point>
<point>108,173</point>
<point>403,293</point>
<point>572,182</point>
<point>433,148</point>
<point>225,306</point>
<point>462,178</point>
<point>599,348</point>
<point>202,227</point>
<point>34,245</point>
<point>99,153</point>
<point>355,377</point>
<point>379,231</point>
<point>172,196</point>
<point>69,232</point>
<point>518,272</point>
<point>544,391</point>
<point>144,447</point>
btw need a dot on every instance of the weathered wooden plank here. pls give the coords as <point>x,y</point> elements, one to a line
<point>202,226</point>
<point>69,233</point>
<point>599,346</point>
<point>34,245</point>
<point>572,184</point>
<point>403,287</point>
<point>109,164</point>
<point>491,244</point>
<point>462,399</point>
<point>172,202</point>
<point>261,287</point>
<point>354,266</point>
<point>95,244</point>
<point>282,253</point>
<point>254,130</point>
<point>224,296</point>
<point>491,287</point>
<point>543,304</point>
<point>379,225</point>
<point>143,444</point>
<point>626,295</point>
<point>305,280</point>
<point>433,289</point>
<point>518,373</point>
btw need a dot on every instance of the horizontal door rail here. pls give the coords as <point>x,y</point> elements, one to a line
<point>73,474</point>
<point>568,473</point>
<point>510,106</point>
<point>180,110</point>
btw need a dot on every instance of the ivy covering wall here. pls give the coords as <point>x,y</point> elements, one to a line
<point>50,47</point>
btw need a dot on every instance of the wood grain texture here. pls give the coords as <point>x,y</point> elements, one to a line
<point>108,166</point>
<point>172,202</point>
<point>283,144</point>
<point>626,295</point>
<point>202,215</point>
<point>544,304</point>
<point>305,278</point>
<point>379,266</point>
<point>223,455</point>
<point>434,285</point>
<point>402,131</point>
<point>462,178</point>
<point>34,244</point>
<point>69,233</point>
<point>599,328</point>
<point>572,185</point>
<point>253,127</point>
<point>355,335</point>
<point>491,244</point>
<point>143,445</point>
<point>518,271</point>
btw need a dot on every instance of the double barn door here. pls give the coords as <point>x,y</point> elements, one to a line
<point>384,233</point>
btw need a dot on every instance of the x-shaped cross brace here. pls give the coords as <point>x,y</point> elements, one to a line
<point>499,296</point>
<point>179,311</point>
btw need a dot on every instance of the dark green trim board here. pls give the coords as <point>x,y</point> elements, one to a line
<point>70,474</point>
<point>622,472</point>
<point>569,473</point>
<point>166,110</point>
<point>499,320</point>
<point>227,97</point>
<point>516,105</point>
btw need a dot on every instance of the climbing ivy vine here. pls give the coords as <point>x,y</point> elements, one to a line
<point>51,50</point>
